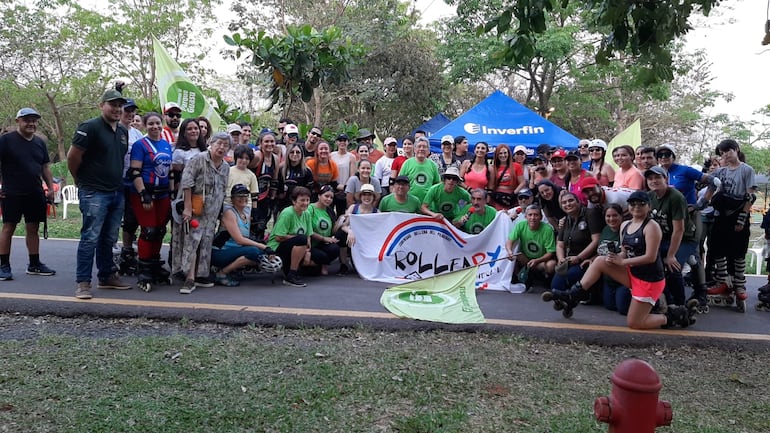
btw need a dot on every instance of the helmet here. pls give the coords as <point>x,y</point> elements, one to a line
<point>270,266</point>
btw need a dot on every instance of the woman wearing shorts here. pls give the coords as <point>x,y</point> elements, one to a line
<point>636,265</point>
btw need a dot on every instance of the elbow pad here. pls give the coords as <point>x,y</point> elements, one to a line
<point>134,173</point>
<point>713,182</point>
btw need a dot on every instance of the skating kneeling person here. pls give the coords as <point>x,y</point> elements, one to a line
<point>637,265</point>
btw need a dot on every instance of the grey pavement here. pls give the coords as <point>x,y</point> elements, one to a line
<point>334,301</point>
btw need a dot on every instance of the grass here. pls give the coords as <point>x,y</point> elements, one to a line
<point>255,379</point>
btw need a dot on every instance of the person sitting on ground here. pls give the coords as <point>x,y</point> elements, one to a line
<point>534,242</point>
<point>548,198</point>
<point>638,265</point>
<point>344,233</point>
<point>232,248</point>
<point>290,237</point>
<point>476,220</point>
<point>445,200</point>
<point>400,200</point>
<point>325,249</point>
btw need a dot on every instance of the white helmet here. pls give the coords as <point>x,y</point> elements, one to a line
<point>270,266</point>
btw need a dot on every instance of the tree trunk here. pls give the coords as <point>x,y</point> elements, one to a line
<point>58,126</point>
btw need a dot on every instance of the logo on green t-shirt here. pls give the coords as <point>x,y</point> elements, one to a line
<point>421,179</point>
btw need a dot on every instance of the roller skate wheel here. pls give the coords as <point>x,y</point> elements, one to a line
<point>547,296</point>
<point>742,307</point>
<point>703,309</point>
<point>692,303</point>
<point>567,313</point>
<point>145,287</point>
<point>558,306</point>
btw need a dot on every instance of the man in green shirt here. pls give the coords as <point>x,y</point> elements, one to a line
<point>421,171</point>
<point>536,243</point>
<point>476,220</point>
<point>444,200</point>
<point>399,200</point>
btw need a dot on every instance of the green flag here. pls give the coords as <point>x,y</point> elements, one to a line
<point>631,136</point>
<point>175,86</point>
<point>445,298</point>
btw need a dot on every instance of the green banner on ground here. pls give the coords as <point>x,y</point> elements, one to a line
<point>445,298</point>
<point>174,86</point>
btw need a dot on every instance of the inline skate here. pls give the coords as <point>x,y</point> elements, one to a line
<point>764,298</point>
<point>151,272</point>
<point>566,300</point>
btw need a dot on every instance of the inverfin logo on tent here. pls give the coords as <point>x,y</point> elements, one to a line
<point>475,128</point>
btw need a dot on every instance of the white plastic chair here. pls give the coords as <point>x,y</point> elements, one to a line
<point>69,195</point>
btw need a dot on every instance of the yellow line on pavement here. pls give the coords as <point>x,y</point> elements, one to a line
<point>381,315</point>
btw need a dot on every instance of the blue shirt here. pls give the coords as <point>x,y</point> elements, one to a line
<point>684,178</point>
<point>156,162</point>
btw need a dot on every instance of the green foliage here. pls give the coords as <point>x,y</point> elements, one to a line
<point>643,29</point>
<point>301,61</point>
<point>757,158</point>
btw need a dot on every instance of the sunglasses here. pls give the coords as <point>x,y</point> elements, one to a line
<point>293,135</point>
<point>295,152</point>
<point>585,146</point>
<point>665,155</point>
<point>317,134</point>
<point>172,115</point>
<point>595,149</point>
<point>524,197</point>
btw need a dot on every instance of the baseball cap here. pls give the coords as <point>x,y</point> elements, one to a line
<point>367,187</point>
<point>588,182</point>
<point>665,146</point>
<point>524,192</point>
<point>171,106</point>
<point>639,196</point>
<point>656,169</point>
<point>402,179</point>
<point>448,138</point>
<point>24,112</point>
<point>233,127</point>
<point>598,143</point>
<point>390,140</point>
<point>559,153</point>
<point>291,129</point>
<point>130,103</point>
<point>112,95</point>
<point>520,148</point>
<point>573,154</point>
<point>363,134</point>
<point>452,172</point>
<point>342,137</point>
<point>239,189</point>
<point>544,148</point>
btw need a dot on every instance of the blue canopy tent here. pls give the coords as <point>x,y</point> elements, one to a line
<point>434,124</point>
<point>499,119</point>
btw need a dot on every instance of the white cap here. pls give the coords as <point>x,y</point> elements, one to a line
<point>171,106</point>
<point>448,138</point>
<point>598,143</point>
<point>390,140</point>
<point>233,127</point>
<point>452,171</point>
<point>290,129</point>
<point>367,187</point>
<point>666,146</point>
<point>520,148</point>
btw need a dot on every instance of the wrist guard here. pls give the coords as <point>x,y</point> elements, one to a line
<point>145,196</point>
<point>742,218</point>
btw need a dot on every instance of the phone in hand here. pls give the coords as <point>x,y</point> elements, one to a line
<point>612,247</point>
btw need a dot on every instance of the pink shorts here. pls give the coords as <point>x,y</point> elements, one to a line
<point>645,291</point>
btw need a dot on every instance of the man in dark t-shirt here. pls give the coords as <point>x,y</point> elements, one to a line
<point>95,161</point>
<point>24,162</point>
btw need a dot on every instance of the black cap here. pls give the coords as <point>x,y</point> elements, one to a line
<point>342,137</point>
<point>639,196</point>
<point>401,179</point>
<point>239,189</point>
<point>573,154</point>
<point>130,103</point>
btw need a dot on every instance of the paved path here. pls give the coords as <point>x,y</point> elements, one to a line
<point>349,301</point>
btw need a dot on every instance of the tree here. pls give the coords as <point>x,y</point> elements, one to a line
<point>57,74</point>
<point>300,62</point>
<point>643,29</point>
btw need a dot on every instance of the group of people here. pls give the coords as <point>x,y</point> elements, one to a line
<point>234,199</point>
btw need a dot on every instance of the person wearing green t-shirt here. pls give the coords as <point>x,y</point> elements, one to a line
<point>445,200</point>
<point>476,220</point>
<point>291,234</point>
<point>399,200</point>
<point>325,249</point>
<point>421,171</point>
<point>537,244</point>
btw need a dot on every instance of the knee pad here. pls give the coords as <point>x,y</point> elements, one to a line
<point>152,234</point>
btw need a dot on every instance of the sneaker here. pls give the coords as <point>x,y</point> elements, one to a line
<point>204,282</point>
<point>227,281</point>
<point>113,282</point>
<point>5,273</point>
<point>83,291</point>
<point>292,279</point>
<point>344,270</point>
<point>40,269</point>
<point>188,287</point>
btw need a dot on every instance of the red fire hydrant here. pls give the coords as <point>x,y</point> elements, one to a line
<point>633,405</point>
